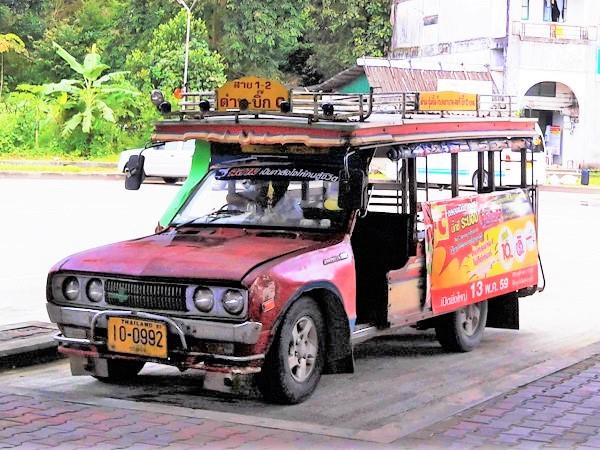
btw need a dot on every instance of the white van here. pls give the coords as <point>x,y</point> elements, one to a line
<point>170,161</point>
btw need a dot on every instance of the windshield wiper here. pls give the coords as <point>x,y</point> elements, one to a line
<point>215,215</point>
<point>221,212</point>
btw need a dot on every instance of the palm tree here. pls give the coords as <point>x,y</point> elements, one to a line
<point>88,98</point>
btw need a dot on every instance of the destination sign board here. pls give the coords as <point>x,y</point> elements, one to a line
<point>251,94</point>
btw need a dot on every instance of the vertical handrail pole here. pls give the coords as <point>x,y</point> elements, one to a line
<point>454,174</point>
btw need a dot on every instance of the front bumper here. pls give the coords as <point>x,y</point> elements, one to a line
<point>181,328</point>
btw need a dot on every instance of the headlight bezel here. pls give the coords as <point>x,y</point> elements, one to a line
<point>64,289</point>
<point>211,298</point>
<point>226,297</point>
<point>88,286</point>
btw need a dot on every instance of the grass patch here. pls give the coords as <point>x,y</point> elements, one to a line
<point>7,167</point>
<point>595,178</point>
<point>53,156</point>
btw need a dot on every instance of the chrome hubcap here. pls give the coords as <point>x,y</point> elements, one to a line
<point>302,349</point>
<point>469,318</point>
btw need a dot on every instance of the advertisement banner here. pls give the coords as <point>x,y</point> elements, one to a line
<point>479,247</point>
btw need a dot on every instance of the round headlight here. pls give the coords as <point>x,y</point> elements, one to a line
<point>204,299</point>
<point>71,288</point>
<point>233,301</point>
<point>94,290</point>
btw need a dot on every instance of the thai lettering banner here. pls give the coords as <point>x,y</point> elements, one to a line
<point>447,101</point>
<point>479,247</point>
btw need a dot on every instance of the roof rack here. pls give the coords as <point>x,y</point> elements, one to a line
<point>254,97</point>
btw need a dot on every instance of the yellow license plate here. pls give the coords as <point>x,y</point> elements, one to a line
<point>137,337</point>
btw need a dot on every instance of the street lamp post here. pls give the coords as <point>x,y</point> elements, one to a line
<point>187,40</point>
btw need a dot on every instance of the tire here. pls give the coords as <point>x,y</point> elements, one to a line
<point>292,369</point>
<point>120,370</point>
<point>170,180</point>
<point>485,179</point>
<point>462,330</point>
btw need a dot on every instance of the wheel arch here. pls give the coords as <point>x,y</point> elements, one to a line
<point>338,354</point>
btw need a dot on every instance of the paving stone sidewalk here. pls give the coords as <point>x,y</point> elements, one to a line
<point>561,410</point>
<point>38,423</point>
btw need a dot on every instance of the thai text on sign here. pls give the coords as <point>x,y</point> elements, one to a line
<point>447,101</point>
<point>251,94</point>
<point>479,247</point>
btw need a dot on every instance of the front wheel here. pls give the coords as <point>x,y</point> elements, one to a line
<point>462,330</point>
<point>295,360</point>
<point>170,180</point>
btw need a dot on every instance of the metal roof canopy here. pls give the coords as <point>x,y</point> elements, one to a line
<point>450,134</point>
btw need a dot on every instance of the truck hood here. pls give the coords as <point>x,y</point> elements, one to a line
<point>209,254</point>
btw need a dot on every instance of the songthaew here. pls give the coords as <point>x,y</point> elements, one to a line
<point>287,246</point>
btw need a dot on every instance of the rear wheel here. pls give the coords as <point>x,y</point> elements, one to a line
<point>462,330</point>
<point>485,179</point>
<point>170,180</point>
<point>120,370</point>
<point>295,360</point>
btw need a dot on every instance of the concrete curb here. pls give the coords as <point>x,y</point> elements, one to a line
<point>61,175</point>
<point>27,343</point>
<point>577,189</point>
<point>39,162</point>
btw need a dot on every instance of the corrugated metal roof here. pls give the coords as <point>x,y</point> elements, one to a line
<point>395,79</point>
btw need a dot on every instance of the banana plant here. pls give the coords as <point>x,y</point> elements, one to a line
<point>91,98</point>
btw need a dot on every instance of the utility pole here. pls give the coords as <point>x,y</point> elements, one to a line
<point>187,41</point>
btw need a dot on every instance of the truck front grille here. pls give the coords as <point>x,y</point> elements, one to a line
<point>139,294</point>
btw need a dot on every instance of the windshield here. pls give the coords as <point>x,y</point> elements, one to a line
<point>270,197</point>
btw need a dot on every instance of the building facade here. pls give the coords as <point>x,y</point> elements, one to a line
<point>545,55</point>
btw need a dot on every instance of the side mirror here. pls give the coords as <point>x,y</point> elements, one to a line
<point>353,190</point>
<point>134,172</point>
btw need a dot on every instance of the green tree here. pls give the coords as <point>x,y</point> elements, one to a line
<point>256,37</point>
<point>91,23</point>
<point>133,26</point>
<point>91,100</point>
<point>341,31</point>
<point>160,64</point>
<point>9,43</point>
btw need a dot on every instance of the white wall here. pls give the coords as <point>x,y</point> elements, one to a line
<point>458,20</point>
<point>468,19</point>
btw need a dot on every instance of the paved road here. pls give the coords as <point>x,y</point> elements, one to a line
<point>402,382</point>
<point>44,220</point>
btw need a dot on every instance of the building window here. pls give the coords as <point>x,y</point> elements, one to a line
<point>555,10</point>
<point>544,89</point>
<point>524,9</point>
